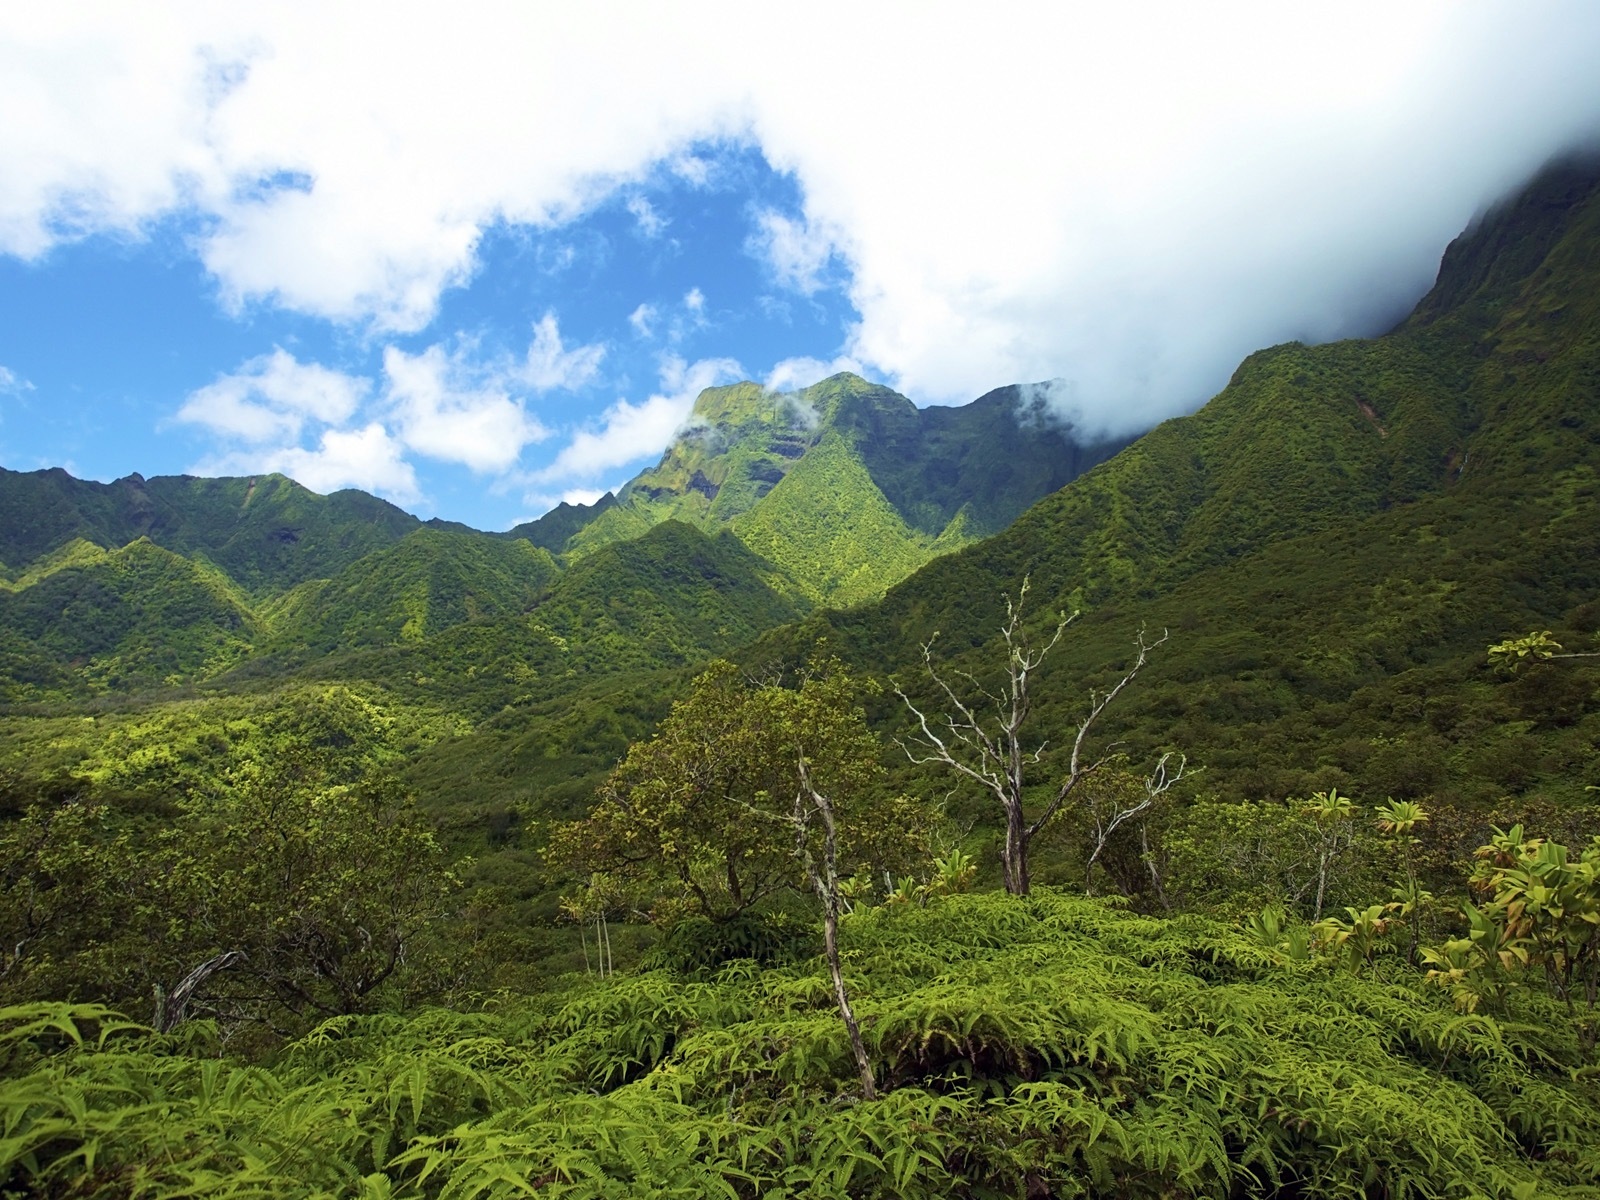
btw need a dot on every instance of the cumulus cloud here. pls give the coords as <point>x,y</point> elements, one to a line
<point>1127,197</point>
<point>270,398</point>
<point>369,458</point>
<point>630,431</point>
<point>441,411</point>
<point>549,365</point>
<point>327,428</point>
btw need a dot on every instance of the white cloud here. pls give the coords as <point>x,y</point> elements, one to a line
<point>796,252</point>
<point>12,384</point>
<point>691,168</point>
<point>270,398</point>
<point>442,412</point>
<point>695,301</point>
<point>442,403</point>
<point>632,431</point>
<point>540,503</point>
<point>549,365</point>
<point>650,222</point>
<point>794,373</point>
<point>368,458</point>
<point>1129,197</point>
<point>643,320</point>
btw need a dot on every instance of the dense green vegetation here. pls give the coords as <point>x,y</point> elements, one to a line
<point>421,883</point>
<point>1047,1046</point>
<point>846,486</point>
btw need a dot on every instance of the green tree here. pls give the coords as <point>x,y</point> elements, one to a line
<point>1541,909</point>
<point>272,906</point>
<point>703,811</point>
<point>49,863</point>
<point>1536,646</point>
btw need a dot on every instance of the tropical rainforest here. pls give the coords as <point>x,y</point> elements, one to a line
<point>866,801</point>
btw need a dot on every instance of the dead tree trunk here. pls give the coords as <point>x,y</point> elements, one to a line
<point>171,1007</point>
<point>824,877</point>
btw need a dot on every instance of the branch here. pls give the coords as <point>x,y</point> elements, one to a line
<point>942,753</point>
<point>1076,773</point>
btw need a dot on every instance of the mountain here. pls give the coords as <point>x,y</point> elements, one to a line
<point>827,495</point>
<point>266,532</point>
<point>428,581</point>
<point>846,486</point>
<point>116,620</point>
<point>1332,542</point>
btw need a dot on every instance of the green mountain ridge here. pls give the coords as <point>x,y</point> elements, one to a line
<point>1332,542</point>
<point>847,485</point>
<point>266,532</point>
<point>795,478</point>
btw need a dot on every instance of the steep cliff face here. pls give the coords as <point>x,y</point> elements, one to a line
<point>1489,263</point>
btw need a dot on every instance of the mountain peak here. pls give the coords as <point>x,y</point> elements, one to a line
<point>1487,265</point>
<point>735,404</point>
<point>747,402</point>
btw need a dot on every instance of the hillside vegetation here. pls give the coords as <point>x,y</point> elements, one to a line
<point>346,855</point>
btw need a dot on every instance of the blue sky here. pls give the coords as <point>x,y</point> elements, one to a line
<point>122,352</point>
<point>481,258</point>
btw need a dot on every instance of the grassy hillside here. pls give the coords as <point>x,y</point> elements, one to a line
<point>1333,541</point>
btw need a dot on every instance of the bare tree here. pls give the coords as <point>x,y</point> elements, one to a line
<point>990,747</point>
<point>823,873</point>
<point>1111,810</point>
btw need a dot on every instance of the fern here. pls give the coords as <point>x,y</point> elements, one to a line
<point>1053,1044</point>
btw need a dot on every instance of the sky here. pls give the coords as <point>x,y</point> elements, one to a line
<point>480,258</point>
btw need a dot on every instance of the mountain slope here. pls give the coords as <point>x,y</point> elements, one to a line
<point>428,581</point>
<point>266,532</point>
<point>846,485</point>
<point>674,597</point>
<point>1333,541</point>
<point>120,620</point>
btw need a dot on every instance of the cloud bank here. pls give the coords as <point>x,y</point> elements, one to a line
<point>1126,198</point>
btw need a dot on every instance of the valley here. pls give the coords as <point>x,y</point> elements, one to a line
<point>369,755</point>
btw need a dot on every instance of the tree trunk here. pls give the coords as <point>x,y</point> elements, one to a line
<point>825,882</point>
<point>1322,884</point>
<point>1150,865</point>
<point>1016,851</point>
<point>830,927</point>
<point>171,1007</point>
